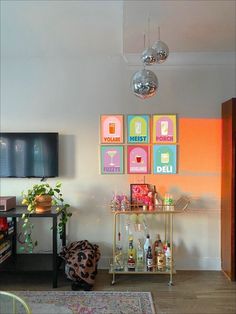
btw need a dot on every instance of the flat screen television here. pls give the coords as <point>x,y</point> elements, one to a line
<point>32,155</point>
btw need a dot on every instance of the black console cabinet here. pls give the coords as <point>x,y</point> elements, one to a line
<point>17,212</point>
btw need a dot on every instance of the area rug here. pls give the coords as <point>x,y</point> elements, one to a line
<point>91,302</point>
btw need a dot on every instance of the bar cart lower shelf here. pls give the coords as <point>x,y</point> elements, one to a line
<point>144,272</point>
<point>168,227</point>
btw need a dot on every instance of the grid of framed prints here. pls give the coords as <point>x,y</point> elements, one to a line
<point>149,145</point>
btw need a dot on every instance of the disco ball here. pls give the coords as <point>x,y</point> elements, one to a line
<point>144,84</point>
<point>162,51</point>
<point>149,56</point>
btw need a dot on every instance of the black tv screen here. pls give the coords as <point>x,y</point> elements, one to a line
<point>28,155</point>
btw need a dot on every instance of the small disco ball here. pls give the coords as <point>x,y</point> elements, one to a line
<point>144,84</point>
<point>162,51</point>
<point>149,56</point>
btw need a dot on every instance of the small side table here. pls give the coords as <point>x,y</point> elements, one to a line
<point>17,212</point>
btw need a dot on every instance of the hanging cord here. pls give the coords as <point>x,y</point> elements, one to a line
<point>149,31</point>
<point>144,41</point>
<point>158,33</point>
<point>144,46</point>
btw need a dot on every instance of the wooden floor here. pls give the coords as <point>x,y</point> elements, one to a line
<point>194,292</point>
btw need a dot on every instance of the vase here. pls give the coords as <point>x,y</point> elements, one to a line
<point>43,203</point>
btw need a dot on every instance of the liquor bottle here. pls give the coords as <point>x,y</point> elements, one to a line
<point>146,245</point>
<point>157,247</point>
<point>161,260</point>
<point>149,259</point>
<point>118,259</point>
<point>139,256</point>
<point>168,256</point>
<point>131,249</point>
<point>131,263</point>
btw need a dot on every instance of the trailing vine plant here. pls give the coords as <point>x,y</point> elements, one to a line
<point>29,199</point>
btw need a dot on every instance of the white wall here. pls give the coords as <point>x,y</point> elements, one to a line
<point>61,68</point>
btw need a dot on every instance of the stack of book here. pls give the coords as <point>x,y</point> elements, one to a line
<point>5,251</point>
<point>5,242</point>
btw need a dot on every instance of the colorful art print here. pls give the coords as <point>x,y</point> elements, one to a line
<point>164,129</point>
<point>138,193</point>
<point>138,129</point>
<point>112,159</point>
<point>164,159</point>
<point>112,129</point>
<point>138,159</point>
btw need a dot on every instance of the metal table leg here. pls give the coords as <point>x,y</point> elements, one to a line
<point>54,248</point>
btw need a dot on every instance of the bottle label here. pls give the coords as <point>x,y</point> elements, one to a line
<point>160,260</point>
<point>149,262</point>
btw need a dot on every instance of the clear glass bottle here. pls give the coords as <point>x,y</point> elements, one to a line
<point>168,202</point>
<point>146,246</point>
<point>168,257</point>
<point>118,259</point>
<point>139,256</point>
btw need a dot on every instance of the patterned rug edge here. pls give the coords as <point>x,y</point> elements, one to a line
<point>148,294</point>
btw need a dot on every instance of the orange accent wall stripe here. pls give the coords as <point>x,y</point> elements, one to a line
<point>199,160</point>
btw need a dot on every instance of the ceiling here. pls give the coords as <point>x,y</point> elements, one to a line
<point>186,26</point>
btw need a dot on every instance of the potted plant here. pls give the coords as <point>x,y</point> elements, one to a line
<point>41,197</point>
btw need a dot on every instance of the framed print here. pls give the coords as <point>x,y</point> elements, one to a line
<point>138,159</point>
<point>112,159</point>
<point>138,129</point>
<point>164,129</point>
<point>164,159</point>
<point>112,129</point>
<point>138,193</point>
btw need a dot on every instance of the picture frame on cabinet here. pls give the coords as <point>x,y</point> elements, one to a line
<point>112,129</point>
<point>139,193</point>
<point>112,159</point>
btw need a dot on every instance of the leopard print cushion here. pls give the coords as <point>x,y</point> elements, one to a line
<point>81,261</point>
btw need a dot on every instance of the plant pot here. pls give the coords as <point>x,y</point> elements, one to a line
<point>43,203</point>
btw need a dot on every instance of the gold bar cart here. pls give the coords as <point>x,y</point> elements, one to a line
<point>168,224</point>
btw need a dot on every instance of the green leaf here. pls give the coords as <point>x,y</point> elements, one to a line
<point>58,184</point>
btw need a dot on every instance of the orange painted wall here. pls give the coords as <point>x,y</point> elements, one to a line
<point>199,161</point>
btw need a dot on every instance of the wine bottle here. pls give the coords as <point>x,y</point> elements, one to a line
<point>149,259</point>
